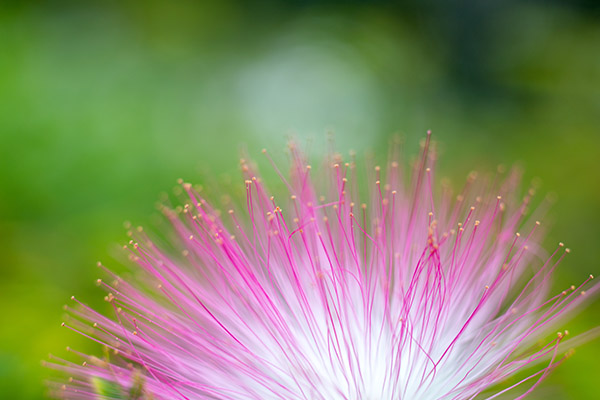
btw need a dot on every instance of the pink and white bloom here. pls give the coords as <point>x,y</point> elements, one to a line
<point>395,290</point>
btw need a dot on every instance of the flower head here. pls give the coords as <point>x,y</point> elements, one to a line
<point>406,294</point>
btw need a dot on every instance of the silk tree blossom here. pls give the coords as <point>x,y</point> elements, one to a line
<point>411,294</point>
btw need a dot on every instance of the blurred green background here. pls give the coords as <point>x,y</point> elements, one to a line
<point>103,105</point>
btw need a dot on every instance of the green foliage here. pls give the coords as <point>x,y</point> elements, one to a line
<point>107,389</point>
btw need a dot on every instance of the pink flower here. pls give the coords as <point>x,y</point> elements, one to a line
<point>409,295</point>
